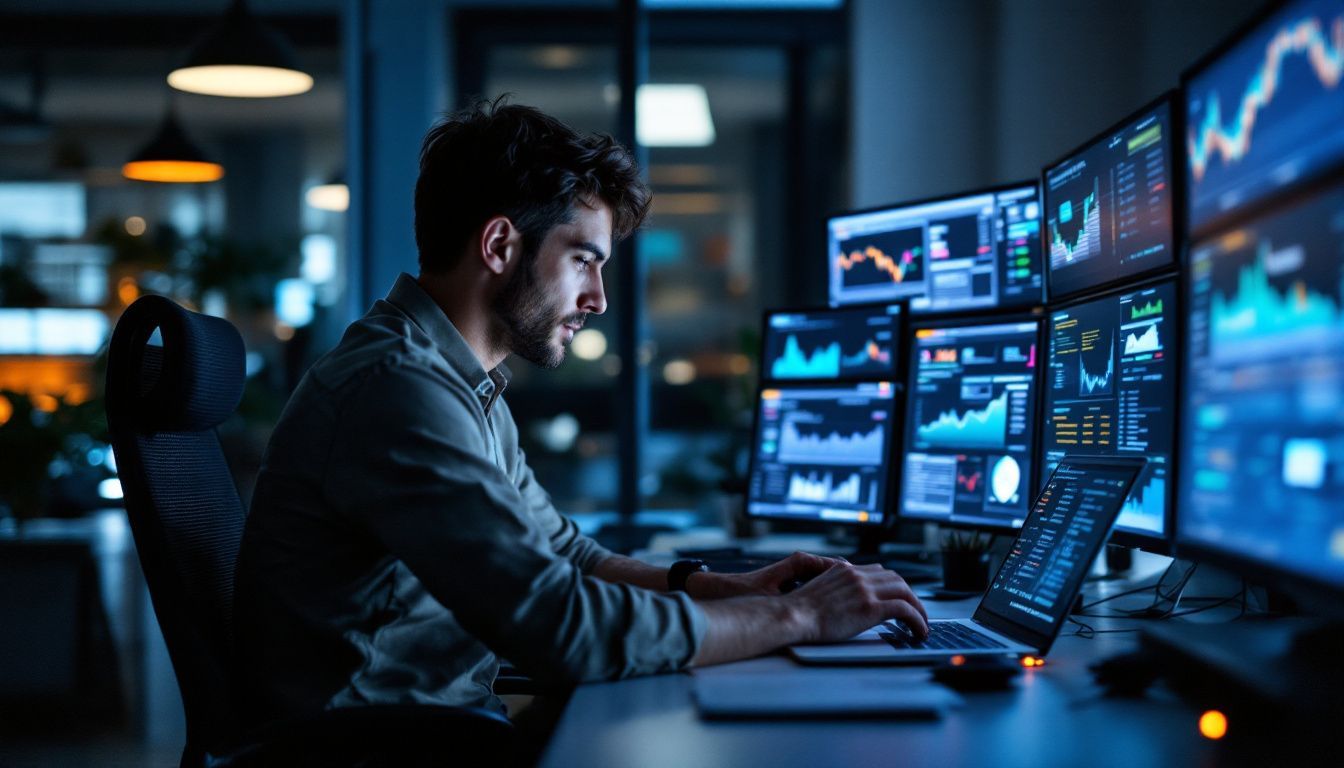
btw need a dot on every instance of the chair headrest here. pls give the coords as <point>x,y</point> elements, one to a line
<point>192,383</point>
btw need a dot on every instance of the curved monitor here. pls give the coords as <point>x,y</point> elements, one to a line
<point>1265,112</point>
<point>821,452</point>
<point>1262,443</point>
<point>1108,205</point>
<point>1110,390</point>
<point>974,251</point>
<point>970,423</point>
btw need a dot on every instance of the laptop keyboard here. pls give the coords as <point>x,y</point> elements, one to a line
<point>943,635</point>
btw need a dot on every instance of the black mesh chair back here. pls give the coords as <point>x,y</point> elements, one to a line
<point>172,377</point>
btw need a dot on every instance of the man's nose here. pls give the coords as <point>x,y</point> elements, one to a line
<point>594,300</point>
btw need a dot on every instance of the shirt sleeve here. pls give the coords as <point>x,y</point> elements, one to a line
<point>415,470</point>
<point>566,539</point>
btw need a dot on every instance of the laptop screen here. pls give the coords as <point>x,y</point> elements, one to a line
<point>1066,527</point>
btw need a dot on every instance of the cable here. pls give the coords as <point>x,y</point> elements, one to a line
<point>1087,631</point>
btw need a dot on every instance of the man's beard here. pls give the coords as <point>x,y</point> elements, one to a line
<point>528,318</point>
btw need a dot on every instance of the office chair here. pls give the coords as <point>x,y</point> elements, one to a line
<point>163,404</point>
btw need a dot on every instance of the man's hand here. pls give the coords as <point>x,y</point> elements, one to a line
<point>847,599</point>
<point>835,605</point>
<point>769,581</point>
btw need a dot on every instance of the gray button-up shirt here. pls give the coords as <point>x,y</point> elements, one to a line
<point>398,542</point>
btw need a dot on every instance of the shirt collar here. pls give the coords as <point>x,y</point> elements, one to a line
<point>410,298</point>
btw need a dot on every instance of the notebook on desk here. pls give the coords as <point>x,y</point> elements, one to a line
<point>1030,596</point>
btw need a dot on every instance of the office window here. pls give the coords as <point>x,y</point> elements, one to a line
<point>743,140</point>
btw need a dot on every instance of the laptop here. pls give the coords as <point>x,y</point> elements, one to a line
<point>1031,594</point>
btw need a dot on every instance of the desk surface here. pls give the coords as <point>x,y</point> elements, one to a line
<point>1053,716</point>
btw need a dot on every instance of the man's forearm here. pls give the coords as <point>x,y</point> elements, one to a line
<point>743,627</point>
<point>619,569</point>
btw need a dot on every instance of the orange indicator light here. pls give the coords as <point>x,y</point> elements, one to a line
<point>1213,725</point>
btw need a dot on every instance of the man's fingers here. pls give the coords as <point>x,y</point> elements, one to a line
<point>808,564</point>
<point>901,591</point>
<point>900,609</point>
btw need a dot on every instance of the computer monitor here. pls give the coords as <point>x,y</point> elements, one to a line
<point>833,344</point>
<point>821,452</point>
<point>971,423</point>
<point>973,251</point>
<point>1262,445</point>
<point>1108,205</point>
<point>1264,111</point>
<point>1110,390</point>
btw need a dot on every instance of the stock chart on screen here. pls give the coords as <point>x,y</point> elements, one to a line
<point>1108,207</point>
<point>1110,390</point>
<point>1266,113</point>
<point>970,424</point>
<point>978,251</point>
<point>1262,448</point>
<point>838,343</point>
<point>820,452</point>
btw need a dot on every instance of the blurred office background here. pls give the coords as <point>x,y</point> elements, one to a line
<point>797,108</point>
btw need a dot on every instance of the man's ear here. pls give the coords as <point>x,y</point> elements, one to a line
<point>500,244</point>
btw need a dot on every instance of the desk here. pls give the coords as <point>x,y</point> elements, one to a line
<point>1054,716</point>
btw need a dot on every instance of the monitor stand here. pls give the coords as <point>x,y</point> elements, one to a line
<point>907,559</point>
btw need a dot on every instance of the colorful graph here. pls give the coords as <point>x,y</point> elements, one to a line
<point>1259,312</point>
<point>835,447</point>
<point>1231,141</point>
<point>794,363</point>
<point>974,429</point>
<point>824,489</point>
<point>1140,343</point>
<point>900,269</point>
<point>1145,509</point>
<point>1147,310</point>
<point>826,362</point>
<point>1097,383</point>
<point>881,259</point>
<point>870,353</point>
<point>1087,243</point>
<point>969,481</point>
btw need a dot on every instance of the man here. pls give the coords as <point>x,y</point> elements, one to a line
<point>398,544</point>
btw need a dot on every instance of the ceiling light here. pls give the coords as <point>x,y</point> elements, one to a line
<point>673,116</point>
<point>171,157</point>
<point>242,57</point>
<point>329,197</point>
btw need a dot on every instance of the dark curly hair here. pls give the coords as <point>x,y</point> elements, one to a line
<point>499,159</point>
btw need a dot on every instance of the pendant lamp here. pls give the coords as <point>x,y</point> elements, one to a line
<point>241,57</point>
<point>171,157</point>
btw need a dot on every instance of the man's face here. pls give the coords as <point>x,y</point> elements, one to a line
<point>547,299</point>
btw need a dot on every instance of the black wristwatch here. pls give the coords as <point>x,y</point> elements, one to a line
<point>681,571</point>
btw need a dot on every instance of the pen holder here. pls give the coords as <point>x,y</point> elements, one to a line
<point>965,570</point>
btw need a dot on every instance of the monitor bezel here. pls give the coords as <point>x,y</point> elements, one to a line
<point>933,314</point>
<point>891,452</point>
<point>1229,219</point>
<point>1037,315</point>
<point>1176,181</point>
<point>1318,593</point>
<point>1005,625</point>
<point>1148,542</point>
<point>902,324</point>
